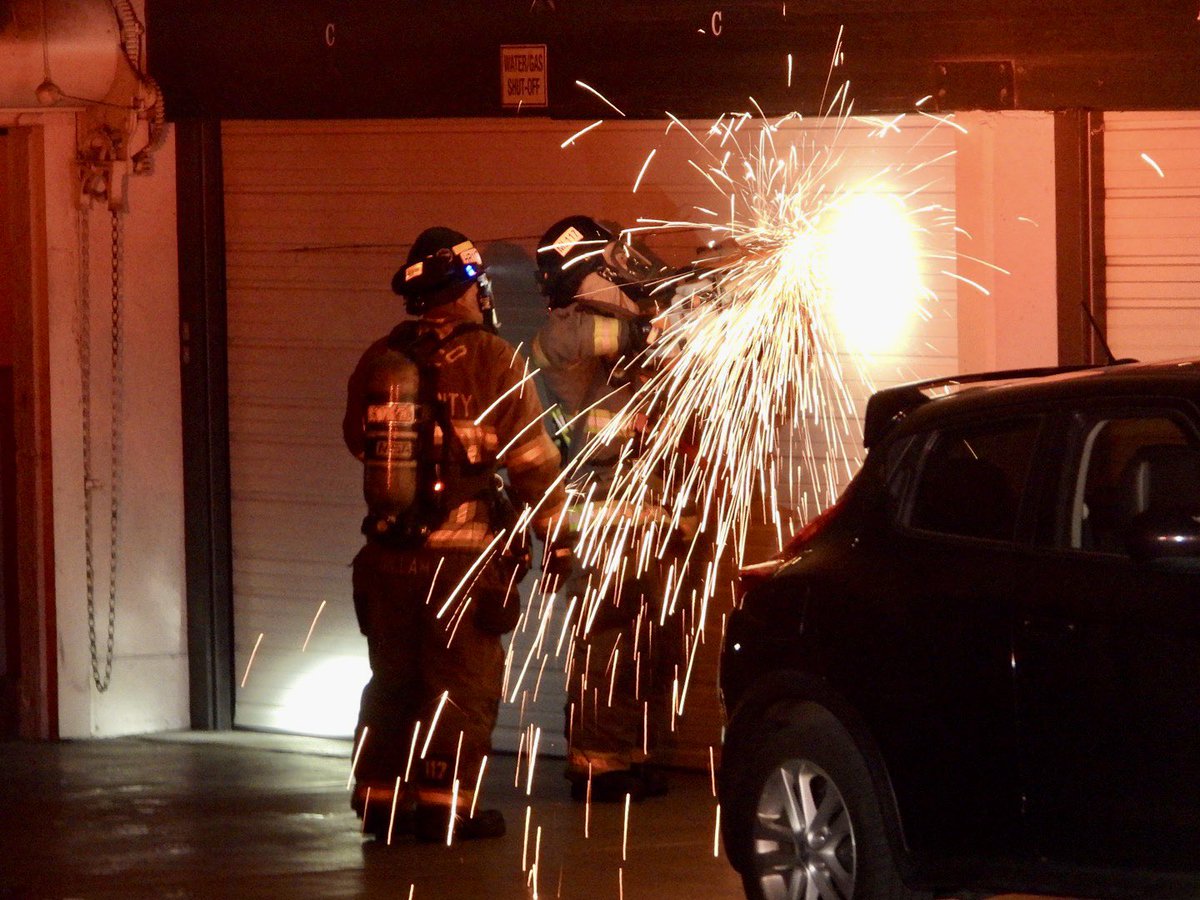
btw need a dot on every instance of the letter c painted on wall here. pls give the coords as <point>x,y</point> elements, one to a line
<point>330,34</point>
<point>716,23</point>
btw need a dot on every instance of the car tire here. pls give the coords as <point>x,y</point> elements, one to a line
<point>801,816</point>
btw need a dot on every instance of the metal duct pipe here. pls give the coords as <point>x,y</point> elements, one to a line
<point>78,42</point>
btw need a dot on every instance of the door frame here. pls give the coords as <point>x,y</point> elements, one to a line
<point>1079,214</point>
<point>200,204</point>
<point>24,213</point>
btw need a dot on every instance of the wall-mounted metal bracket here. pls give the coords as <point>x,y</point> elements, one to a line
<point>103,163</point>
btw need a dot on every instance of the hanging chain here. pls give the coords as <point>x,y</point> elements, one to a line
<point>85,398</point>
<point>114,484</point>
<point>101,681</point>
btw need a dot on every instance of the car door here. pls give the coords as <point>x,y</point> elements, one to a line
<point>932,653</point>
<point>1107,650</point>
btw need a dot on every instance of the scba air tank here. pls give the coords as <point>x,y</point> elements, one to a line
<point>393,405</point>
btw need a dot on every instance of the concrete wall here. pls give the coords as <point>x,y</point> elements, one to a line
<point>1006,220</point>
<point>149,688</point>
<point>149,681</point>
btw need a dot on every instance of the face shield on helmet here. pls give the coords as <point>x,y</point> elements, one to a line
<point>578,245</point>
<point>633,267</point>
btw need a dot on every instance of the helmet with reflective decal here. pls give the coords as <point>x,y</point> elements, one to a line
<point>440,259</point>
<point>569,249</point>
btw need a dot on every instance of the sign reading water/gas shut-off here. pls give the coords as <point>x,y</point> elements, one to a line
<point>523,76</point>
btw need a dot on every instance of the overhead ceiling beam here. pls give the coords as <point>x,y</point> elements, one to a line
<point>336,58</point>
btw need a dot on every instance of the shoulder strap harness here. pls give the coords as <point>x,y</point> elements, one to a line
<point>450,478</point>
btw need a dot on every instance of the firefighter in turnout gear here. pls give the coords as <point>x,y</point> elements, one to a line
<point>433,410</point>
<point>587,352</point>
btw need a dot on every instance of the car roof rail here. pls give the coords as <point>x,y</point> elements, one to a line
<point>887,407</point>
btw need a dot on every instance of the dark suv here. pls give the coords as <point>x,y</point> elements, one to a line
<point>979,671</point>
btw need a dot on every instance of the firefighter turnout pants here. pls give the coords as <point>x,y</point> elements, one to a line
<point>618,710</point>
<point>427,671</point>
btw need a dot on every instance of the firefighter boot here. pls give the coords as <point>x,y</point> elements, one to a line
<point>433,824</point>
<point>638,782</point>
<point>383,816</point>
<point>654,779</point>
<point>608,787</point>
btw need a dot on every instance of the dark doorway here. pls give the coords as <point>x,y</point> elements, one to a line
<point>28,692</point>
<point>9,646</point>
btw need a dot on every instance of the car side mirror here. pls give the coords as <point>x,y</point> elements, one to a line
<point>1165,536</point>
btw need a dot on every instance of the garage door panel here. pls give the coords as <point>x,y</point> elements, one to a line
<point>266,587</point>
<point>1175,214</point>
<point>293,538</point>
<point>1146,333</point>
<point>1142,322</point>
<point>1173,290</point>
<point>1149,251</point>
<point>315,489</point>
<point>1152,233</point>
<point>1138,174</point>
<point>297,372</point>
<point>316,275</point>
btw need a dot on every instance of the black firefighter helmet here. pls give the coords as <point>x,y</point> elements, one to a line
<point>569,249</point>
<point>440,259</point>
<point>577,245</point>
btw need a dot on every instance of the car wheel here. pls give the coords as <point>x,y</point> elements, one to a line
<point>802,819</point>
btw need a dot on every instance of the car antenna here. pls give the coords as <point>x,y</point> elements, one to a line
<point>1112,360</point>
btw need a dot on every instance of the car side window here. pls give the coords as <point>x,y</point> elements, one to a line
<point>900,465</point>
<point>1128,466</point>
<point>973,478</point>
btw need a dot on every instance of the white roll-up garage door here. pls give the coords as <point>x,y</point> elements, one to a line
<point>1152,233</point>
<point>318,216</point>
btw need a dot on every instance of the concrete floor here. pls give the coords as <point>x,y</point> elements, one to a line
<point>244,815</point>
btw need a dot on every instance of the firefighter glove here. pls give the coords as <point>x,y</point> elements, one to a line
<point>559,559</point>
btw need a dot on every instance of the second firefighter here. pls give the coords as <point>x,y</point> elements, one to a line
<point>626,650</point>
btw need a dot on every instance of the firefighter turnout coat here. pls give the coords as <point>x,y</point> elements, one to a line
<point>497,417</point>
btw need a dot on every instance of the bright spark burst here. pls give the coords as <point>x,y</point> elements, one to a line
<point>587,809</point>
<point>308,638</point>
<point>392,817</point>
<point>747,391</point>
<point>453,817</point>
<point>478,784</point>
<point>434,721</point>
<point>717,833</point>
<point>577,135</point>
<point>525,840</point>
<point>533,751</point>
<point>588,87</point>
<point>412,748</point>
<point>625,832</point>
<point>250,662</point>
<point>357,752</point>
<point>642,173</point>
